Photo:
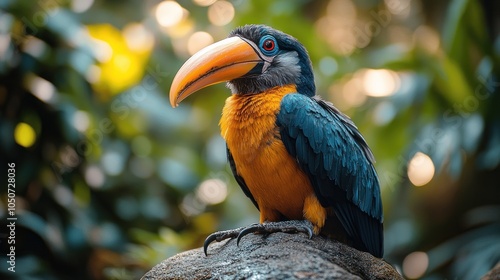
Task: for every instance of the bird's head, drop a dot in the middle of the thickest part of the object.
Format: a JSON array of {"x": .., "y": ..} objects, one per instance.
[{"x": 253, "y": 59}]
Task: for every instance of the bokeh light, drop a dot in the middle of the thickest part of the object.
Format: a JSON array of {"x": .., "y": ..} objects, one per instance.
[
  {"x": 180, "y": 31},
  {"x": 212, "y": 191},
  {"x": 81, "y": 121},
  {"x": 34, "y": 46},
  {"x": 94, "y": 176},
  {"x": 80, "y": 6},
  {"x": 380, "y": 82},
  {"x": 328, "y": 66},
  {"x": 102, "y": 50},
  {"x": 204, "y": 3},
  {"x": 24, "y": 135},
  {"x": 41, "y": 88},
  {"x": 169, "y": 13},
  {"x": 63, "y": 195},
  {"x": 138, "y": 38},
  {"x": 399, "y": 7},
  {"x": 112, "y": 162},
  {"x": 420, "y": 169},
  {"x": 427, "y": 38},
  {"x": 338, "y": 25},
  {"x": 415, "y": 264},
  {"x": 352, "y": 93},
  {"x": 93, "y": 74},
  {"x": 198, "y": 41},
  {"x": 69, "y": 157},
  {"x": 221, "y": 13},
  {"x": 192, "y": 206}
]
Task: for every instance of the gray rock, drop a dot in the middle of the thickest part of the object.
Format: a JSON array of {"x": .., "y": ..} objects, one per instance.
[
  {"x": 277, "y": 256},
  {"x": 493, "y": 274}
]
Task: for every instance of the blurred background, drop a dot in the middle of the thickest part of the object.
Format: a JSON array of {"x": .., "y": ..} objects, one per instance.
[{"x": 110, "y": 180}]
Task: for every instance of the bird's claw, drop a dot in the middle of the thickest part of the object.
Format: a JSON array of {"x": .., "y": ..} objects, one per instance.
[
  {"x": 251, "y": 228},
  {"x": 295, "y": 226},
  {"x": 223, "y": 235}
]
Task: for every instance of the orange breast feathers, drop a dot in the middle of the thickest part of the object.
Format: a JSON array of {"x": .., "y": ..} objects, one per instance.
[{"x": 280, "y": 188}]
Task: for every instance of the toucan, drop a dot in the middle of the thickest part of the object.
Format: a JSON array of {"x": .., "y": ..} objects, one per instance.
[{"x": 302, "y": 162}]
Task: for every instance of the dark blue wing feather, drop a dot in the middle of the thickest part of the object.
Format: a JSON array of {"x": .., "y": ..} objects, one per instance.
[{"x": 330, "y": 149}]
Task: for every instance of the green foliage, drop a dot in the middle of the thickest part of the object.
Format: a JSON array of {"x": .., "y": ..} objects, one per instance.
[{"x": 110, "y": 179}]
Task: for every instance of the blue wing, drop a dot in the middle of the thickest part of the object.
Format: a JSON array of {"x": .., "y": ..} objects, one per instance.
[{"x": 330, "y": 149}]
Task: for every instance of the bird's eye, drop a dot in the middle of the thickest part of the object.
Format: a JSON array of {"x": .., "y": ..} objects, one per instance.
[{"x": 268, "y": 45}]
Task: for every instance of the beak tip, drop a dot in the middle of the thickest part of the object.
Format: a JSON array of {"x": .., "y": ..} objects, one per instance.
[
  {"x": 174, "y": 104},
  {"x": 173, "y": 99}
]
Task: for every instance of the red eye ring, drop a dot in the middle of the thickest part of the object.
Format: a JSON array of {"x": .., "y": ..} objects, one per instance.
[{"x": 268, "y": 45}]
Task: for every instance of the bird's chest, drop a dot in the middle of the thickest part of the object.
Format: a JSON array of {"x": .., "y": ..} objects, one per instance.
[{"x": 248, "y": 125}]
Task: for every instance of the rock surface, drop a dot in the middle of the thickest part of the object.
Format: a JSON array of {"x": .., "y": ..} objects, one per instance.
[
  {"x": 494, "y": 274},
  {"x": 277, "y": 256}
]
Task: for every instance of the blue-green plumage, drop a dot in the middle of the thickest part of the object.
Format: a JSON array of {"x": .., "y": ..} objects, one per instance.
[{"x": 330, "y": 149}]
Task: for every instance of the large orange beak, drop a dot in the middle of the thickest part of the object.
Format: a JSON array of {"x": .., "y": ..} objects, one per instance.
[{"x": 223, "y": 61}]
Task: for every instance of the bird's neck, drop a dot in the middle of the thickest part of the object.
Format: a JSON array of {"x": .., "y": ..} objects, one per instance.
[{"x": 248, "y": 120}]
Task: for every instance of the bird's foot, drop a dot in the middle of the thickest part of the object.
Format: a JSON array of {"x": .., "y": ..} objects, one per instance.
[
  {"x": 294, "y": 226},
  {"x": 223, "y": 235}
]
